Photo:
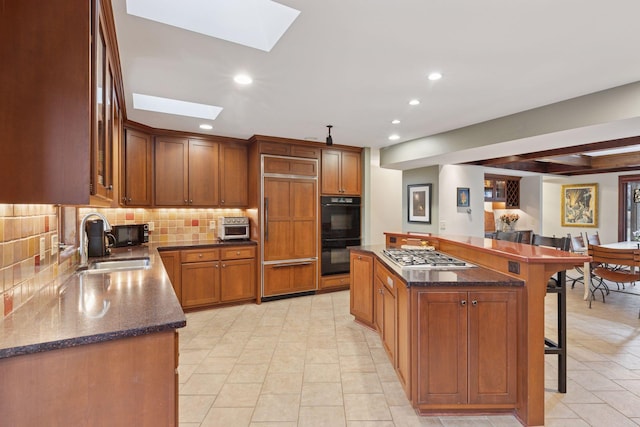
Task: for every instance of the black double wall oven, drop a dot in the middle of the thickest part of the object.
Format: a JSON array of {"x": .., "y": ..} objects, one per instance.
[{"x": 340, "y": 217}]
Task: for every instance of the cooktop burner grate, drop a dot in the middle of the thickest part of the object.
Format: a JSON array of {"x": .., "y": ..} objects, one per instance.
[{"x": 427, "y": 259}]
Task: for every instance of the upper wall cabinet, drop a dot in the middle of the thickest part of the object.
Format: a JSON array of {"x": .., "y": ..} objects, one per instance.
[
  {"x": 199, "y": 173},
  {"x": 45, "y": 113},
  {"x": 106, "y": 115},
  {"x": 341, "y": 172},
  {"x": 498, "y": 188},
  {"x": 136, "y": 169},
  {"x": 233, "y": 175}
]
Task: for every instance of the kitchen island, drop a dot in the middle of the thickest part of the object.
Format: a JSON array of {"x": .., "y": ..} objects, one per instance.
[{"x": 462, "y": 340}]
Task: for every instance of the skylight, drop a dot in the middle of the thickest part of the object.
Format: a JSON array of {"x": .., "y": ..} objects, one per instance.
[
  {"x": 174, "y": 106},
  {"x": 253, "y": 23}
]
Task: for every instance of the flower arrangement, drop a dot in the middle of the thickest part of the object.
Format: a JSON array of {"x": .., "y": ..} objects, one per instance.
[{"x": 509, "y": 218}]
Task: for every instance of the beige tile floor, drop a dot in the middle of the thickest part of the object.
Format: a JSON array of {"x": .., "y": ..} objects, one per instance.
[{"x": 305, "y": 362}]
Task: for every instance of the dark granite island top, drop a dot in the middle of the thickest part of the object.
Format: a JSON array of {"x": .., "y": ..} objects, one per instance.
[
  {"x": 468, "y": 276},
  {"x": 79, "y": 308}
]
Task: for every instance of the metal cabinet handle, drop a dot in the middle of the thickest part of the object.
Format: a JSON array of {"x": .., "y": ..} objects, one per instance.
[
  {"x": 291, "y": 264},
  {"x": 129, "y": 198},
  {"x": 222, "y": 201},
  {"x": 191, "y": 202},
  {"x": 474, "y": 303},
  {"x": 266, "y": 219},
  {"x": 185, "y": 201},
  {"x": 200, "y": 255},
  {"x": 463, "y": 302}
]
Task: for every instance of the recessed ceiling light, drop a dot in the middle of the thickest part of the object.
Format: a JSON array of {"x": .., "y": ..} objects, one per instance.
[
  {"x": 243, "y": 79},
  {"x": 394, "y": 137},
  {"x": 414, "y": 102},
  {"x": 435, "y": 76},
  {"x": 258, "y": 23},
  {"x": 206, "y": 127},
  {"x": 395, "y": 122},
  {"x": 174, "y": 106}
]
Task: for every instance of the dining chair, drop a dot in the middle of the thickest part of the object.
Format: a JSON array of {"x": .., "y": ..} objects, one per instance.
[
  {"x": 615, "y": 265},
  {"x": 577, "y": 245},
  {"x": 594, "y": 239},
  {"x": 557, "y": 285},
  {"x": 509, "y": 236}
]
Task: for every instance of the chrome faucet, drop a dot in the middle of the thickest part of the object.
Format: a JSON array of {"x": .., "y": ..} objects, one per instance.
[{"x": 84, "y": 244}]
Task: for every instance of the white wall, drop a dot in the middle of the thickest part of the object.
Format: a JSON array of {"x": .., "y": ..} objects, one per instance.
[
  {"x": 452, "y": 219},
  {"x": 607, "y": 205},
  {"x": 428, "y": 175},
  {"x": 382, "y": 199}
]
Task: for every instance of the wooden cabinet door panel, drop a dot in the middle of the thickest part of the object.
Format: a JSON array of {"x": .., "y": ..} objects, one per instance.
[
  {"x": 203, "y": 173},
  {"x": 441, "y": 376},
  {"x": 403, "y": 347},
  {"x": 277, "y": 241},
  {"x": 330, "y": 172},
  {"x": 277, "y": 280},
  {"x": 237, "y": 280},
  {"x": 200, "y": 283},
  {"x": 234, "y": 175},
  {"x": 389, "y": 323},
  {"x": 361, "y": 293},
  {"x": 492, "y": 347},
  {"x": 172, "y": 265},
  {"x": 171, "y": 167},
  {"x": 350, "y": 173},
  {"x": 137, "y": 169},
  {"x": 304, "y": 276},
  {"x": 378, "y": 304}
]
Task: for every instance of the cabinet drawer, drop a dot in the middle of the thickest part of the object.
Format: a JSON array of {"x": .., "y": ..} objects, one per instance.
[
  {"x": 198, "y": 255},
  {"x": 332, "y": 282},
  {"x": 385, "y": 276},
  {"x": 238, "y": 252}
]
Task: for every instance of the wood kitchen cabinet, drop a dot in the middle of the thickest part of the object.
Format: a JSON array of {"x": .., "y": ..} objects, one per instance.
[
  {"x": 498, "y": 188},
  {"x": 238, "y": 274},
  {"x": 200, "y": 277},
  {"x": 289, "y": 278},
  {"x": 341, "y": 173},
  {"x": 50, "y": 99},
  {"x": 186, "y": 172},
  {"x": 361, "y": 292},
  {"x": 385, "y": 285},
  {"x": 172, "y": 265},
  {"x": 212, "y": 276},
  {"x": 137, "y": 169},
  {"x": 467, "y": 347},
  {"x": 234, "y": 176},
  {"x": 200, "y": 173}
]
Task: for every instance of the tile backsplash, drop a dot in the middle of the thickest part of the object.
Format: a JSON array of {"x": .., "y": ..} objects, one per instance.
[
  {"x": 26, "y": 268},
  {"x": 169, "y": 225},
  {"x": 27, "y": 263}
]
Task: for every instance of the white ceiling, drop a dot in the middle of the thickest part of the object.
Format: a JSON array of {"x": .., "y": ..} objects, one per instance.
[{"x": 355, "y": 64}]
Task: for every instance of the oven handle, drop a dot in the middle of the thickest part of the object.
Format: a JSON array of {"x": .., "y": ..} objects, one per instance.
[
  {"x": 340, "y": 204},
  {"x": 266, "y": 219}
]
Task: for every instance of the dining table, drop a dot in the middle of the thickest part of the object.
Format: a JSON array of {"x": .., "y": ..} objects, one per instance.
[{"x": 629, "y": 244}]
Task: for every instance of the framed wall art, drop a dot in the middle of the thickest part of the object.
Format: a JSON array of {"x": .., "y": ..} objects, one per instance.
[
  {"x": 579, "y": 205},
  {"x": 419, "y": 198},
  {"x": 463, "y": 197}
]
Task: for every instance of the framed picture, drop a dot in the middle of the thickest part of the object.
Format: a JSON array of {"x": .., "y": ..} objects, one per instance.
[
  {"x": 579, "y": 205},
  {"x": 463, "y": 197},
  {"x": 419, "y": 198}
]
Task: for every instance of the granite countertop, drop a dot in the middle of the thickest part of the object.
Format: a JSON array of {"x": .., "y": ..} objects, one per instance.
[
  {"x": 79, "y": 308},
  {"x": 415, "y": 276}
]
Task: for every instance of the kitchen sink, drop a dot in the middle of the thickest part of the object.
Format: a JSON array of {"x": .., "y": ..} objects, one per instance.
[{"x": 114, "y": 265}]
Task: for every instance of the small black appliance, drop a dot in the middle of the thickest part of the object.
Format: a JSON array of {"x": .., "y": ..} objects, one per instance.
[{"x": 96, "y": 241}]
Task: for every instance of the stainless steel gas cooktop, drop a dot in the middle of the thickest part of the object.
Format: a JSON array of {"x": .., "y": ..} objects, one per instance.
[{"x": 423, "y": 258}]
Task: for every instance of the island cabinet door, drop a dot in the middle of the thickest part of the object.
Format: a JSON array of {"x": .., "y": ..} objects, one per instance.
[
  {"x": 440, "y": 355},
  {"x": 492, "y": 347},
  {"x": 361, "y": 292}
]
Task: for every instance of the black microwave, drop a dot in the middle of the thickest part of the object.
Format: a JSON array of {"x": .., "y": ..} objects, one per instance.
[{"x": 130, "y": 235}]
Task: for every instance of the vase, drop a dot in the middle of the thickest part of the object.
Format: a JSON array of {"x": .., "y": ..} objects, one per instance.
[{"x": 508, "y": 227}]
